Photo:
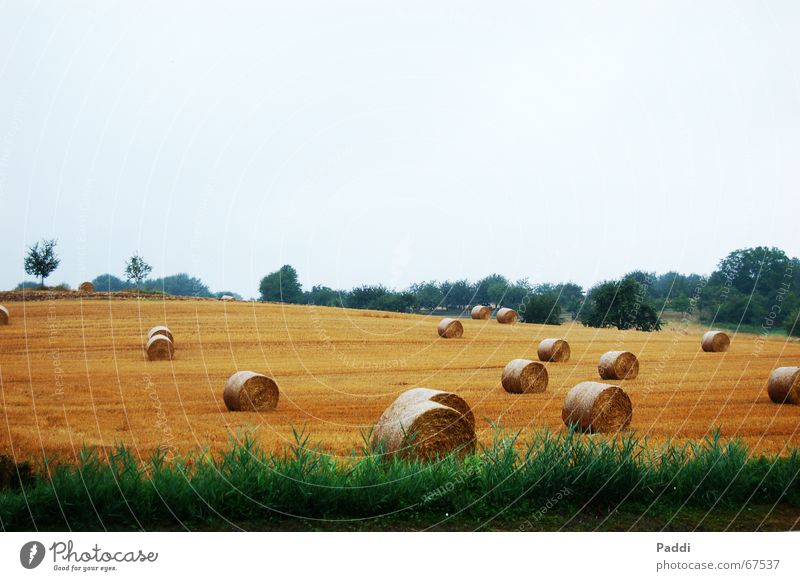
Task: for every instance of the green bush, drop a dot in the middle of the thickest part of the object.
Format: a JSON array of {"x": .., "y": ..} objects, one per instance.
[
  {"x": 792, "y": 324},
  {"x": 541, "y": 308},
  {"x": 246, "y": 486},
  {"x": 621, "y": 304}
]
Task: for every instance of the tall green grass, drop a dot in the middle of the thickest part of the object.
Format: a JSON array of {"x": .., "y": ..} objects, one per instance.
[{"x": 510, "y": 477}]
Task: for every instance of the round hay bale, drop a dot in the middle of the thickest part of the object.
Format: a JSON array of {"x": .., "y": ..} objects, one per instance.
[
  {"x": 555, "y": 350},
  {"x": 161, "y": 330},
  {"x": 524, "y": 376},
  {"x": 597, "y": 407},
  {"x": 86, "y": 287},
  {"x": 481, "y": 312},
  {"x": 506, "y": 316},
  {"x": 716, "y": 342},
  {"x": 160, "y": 348},
  {"x": 5, "y": 318},
  {"x": 784, "y": 385},
  {"x": 247, "y": 391},
  {"x": 423, "y": 429},
  {"x": 450, "y": 329},
  {"x": 451, "y": 400},
  {"x": 618, "y": 365}
]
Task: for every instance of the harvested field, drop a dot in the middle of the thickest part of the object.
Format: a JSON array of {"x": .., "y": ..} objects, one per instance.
[{"x": 74, "y": 373}]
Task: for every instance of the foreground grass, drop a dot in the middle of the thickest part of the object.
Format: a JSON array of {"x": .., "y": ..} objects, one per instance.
[{"x": 553, "y": 481}]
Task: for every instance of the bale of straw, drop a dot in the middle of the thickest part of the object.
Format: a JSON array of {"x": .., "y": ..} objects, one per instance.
[
  {"x": 451, "y": 400},
  {"x": 86, "y": 287},
  {"x": 160, "y": 348},
  {"x": 423, "y": 429},
  {"x": 450, "y": 329},
  {"x": 5, "y": 318},
  {"x": 524, "y": 376},
  {"x": 160, "y": 330},
  {"x": 481, "y": 312},
  {"x": 247, "y": 391},
  {"x": 555, "y": 350},
  {"x": 784, "y": 385},
  {"x": 618, "y": 365},
  {"x": 597, "y": 407},
  {"x": 716, "y": 341},
  {"x": 506, "y": 316}
]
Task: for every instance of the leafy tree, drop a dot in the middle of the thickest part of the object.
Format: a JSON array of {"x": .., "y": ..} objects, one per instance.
[
  {"x": 541, "y": 308},
  {"x": 136, "y": 269},
  {"x": 41, "y": 259},
  {"x": 380, "y": 298},
  {"x": 792, "y": 323},
  {"x": 27, "y": 284},
  {"x": 281, "y": 286},
  {"x": 570, "y": 295},
  {"x": 622, "y": 304},
  {"x": 516, "y": 293},
  {"x": 110, "y": 283},
  {"x": 427, "y": 295},
  {"x": 181, "y": 285},
  {"x": 747, "y": 286},
  {"x": 324, "y": 297},
  {"x": 491, "y": 290},
  {"x": 457, "y": 295}
]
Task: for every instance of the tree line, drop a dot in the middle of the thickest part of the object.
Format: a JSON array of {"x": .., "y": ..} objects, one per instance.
[{"x": 751, "y": 287}]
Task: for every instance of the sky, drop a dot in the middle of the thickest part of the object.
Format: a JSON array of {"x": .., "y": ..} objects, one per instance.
[{"x": 375, "y": 142}]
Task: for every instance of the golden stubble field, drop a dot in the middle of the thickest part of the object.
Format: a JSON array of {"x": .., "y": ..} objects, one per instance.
[{"x": 73, "y": 373}]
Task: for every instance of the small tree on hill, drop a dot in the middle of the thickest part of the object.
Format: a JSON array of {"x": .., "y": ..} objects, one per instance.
[
  {"x": 41, "y": 259},
  {"x": 622, "y": 305},
  {"x": 136, "y": 269},
  {"x": 541, "y": 308},
  {"x": 281, "y": 286}
]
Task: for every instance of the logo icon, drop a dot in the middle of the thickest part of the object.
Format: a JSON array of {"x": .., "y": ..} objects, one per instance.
[{"x": 31, "y": 554}]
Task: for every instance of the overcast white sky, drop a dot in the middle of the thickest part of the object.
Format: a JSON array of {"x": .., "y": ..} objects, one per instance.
[{"x": 397, "y": 142}]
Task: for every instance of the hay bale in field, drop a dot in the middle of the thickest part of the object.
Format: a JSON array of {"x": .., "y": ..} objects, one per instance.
[
  {"x": 450, "y": 329},
  {"x": 555, "y": 350},
  {"x": 784, "y": 385},
  {"x": 597, "y": 407},
  {"x": 5, "y": 318},
  {"x": 161, "y": 330},
  {"x": 618, "y": 365},
  {"x": 86, "y": 287},
  {"x": 226, "y": 298},
  {"x": 160, "y": 348},
  {"x": 506, "y": 316},
  {"x": 451, "y": 400},
  {"x": 481, "y": 312},
  {"x": 248, "y": 391},
  {"x": 423, "y": 429},
  {"x": 524, "y": 376},
  {"x": 716, "y": 341}
]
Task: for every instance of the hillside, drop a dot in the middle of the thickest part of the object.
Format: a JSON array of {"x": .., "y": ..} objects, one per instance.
[{"x": 74, "y": 374}]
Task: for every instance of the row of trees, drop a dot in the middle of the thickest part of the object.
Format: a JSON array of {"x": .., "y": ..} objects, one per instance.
[
  {"x": 753, "y": 286},
  {"x": 41, "y": 261}
]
